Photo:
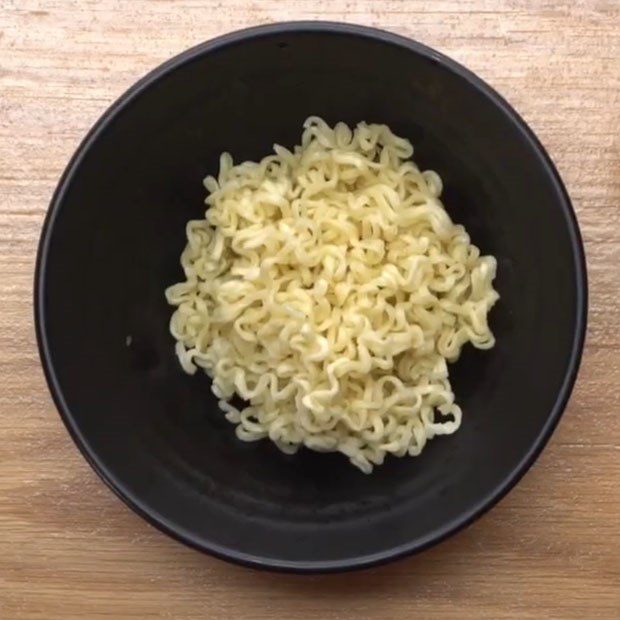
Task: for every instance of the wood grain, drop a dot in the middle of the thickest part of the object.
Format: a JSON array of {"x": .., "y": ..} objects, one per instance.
[{"x": 69, "y": 549}]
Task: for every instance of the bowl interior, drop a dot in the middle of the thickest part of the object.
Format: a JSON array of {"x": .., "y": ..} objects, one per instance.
[{"x": 113, "y": 243}]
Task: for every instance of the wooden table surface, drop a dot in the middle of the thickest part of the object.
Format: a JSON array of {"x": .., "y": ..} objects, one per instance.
[{"x": 69, "y": 549}]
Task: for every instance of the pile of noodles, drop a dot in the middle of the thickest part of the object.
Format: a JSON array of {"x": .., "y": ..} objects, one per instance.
[{"x": 328, "y": 288}]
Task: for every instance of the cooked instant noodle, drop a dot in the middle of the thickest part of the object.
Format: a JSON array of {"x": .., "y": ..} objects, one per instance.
[{"x": 327, "y": 287}]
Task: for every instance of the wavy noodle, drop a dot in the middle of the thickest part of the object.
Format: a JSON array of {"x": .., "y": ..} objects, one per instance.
[{"x": 327, "y": 287}]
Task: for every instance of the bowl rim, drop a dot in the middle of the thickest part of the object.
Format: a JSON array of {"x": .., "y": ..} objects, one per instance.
[{"x": 353, "y": 562}]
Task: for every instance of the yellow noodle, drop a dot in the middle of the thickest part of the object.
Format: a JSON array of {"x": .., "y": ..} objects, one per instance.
[{"x": 327, "y": 287}]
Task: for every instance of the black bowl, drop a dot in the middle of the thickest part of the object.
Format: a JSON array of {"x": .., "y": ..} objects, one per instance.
[{"x": 111, "y": 244}]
